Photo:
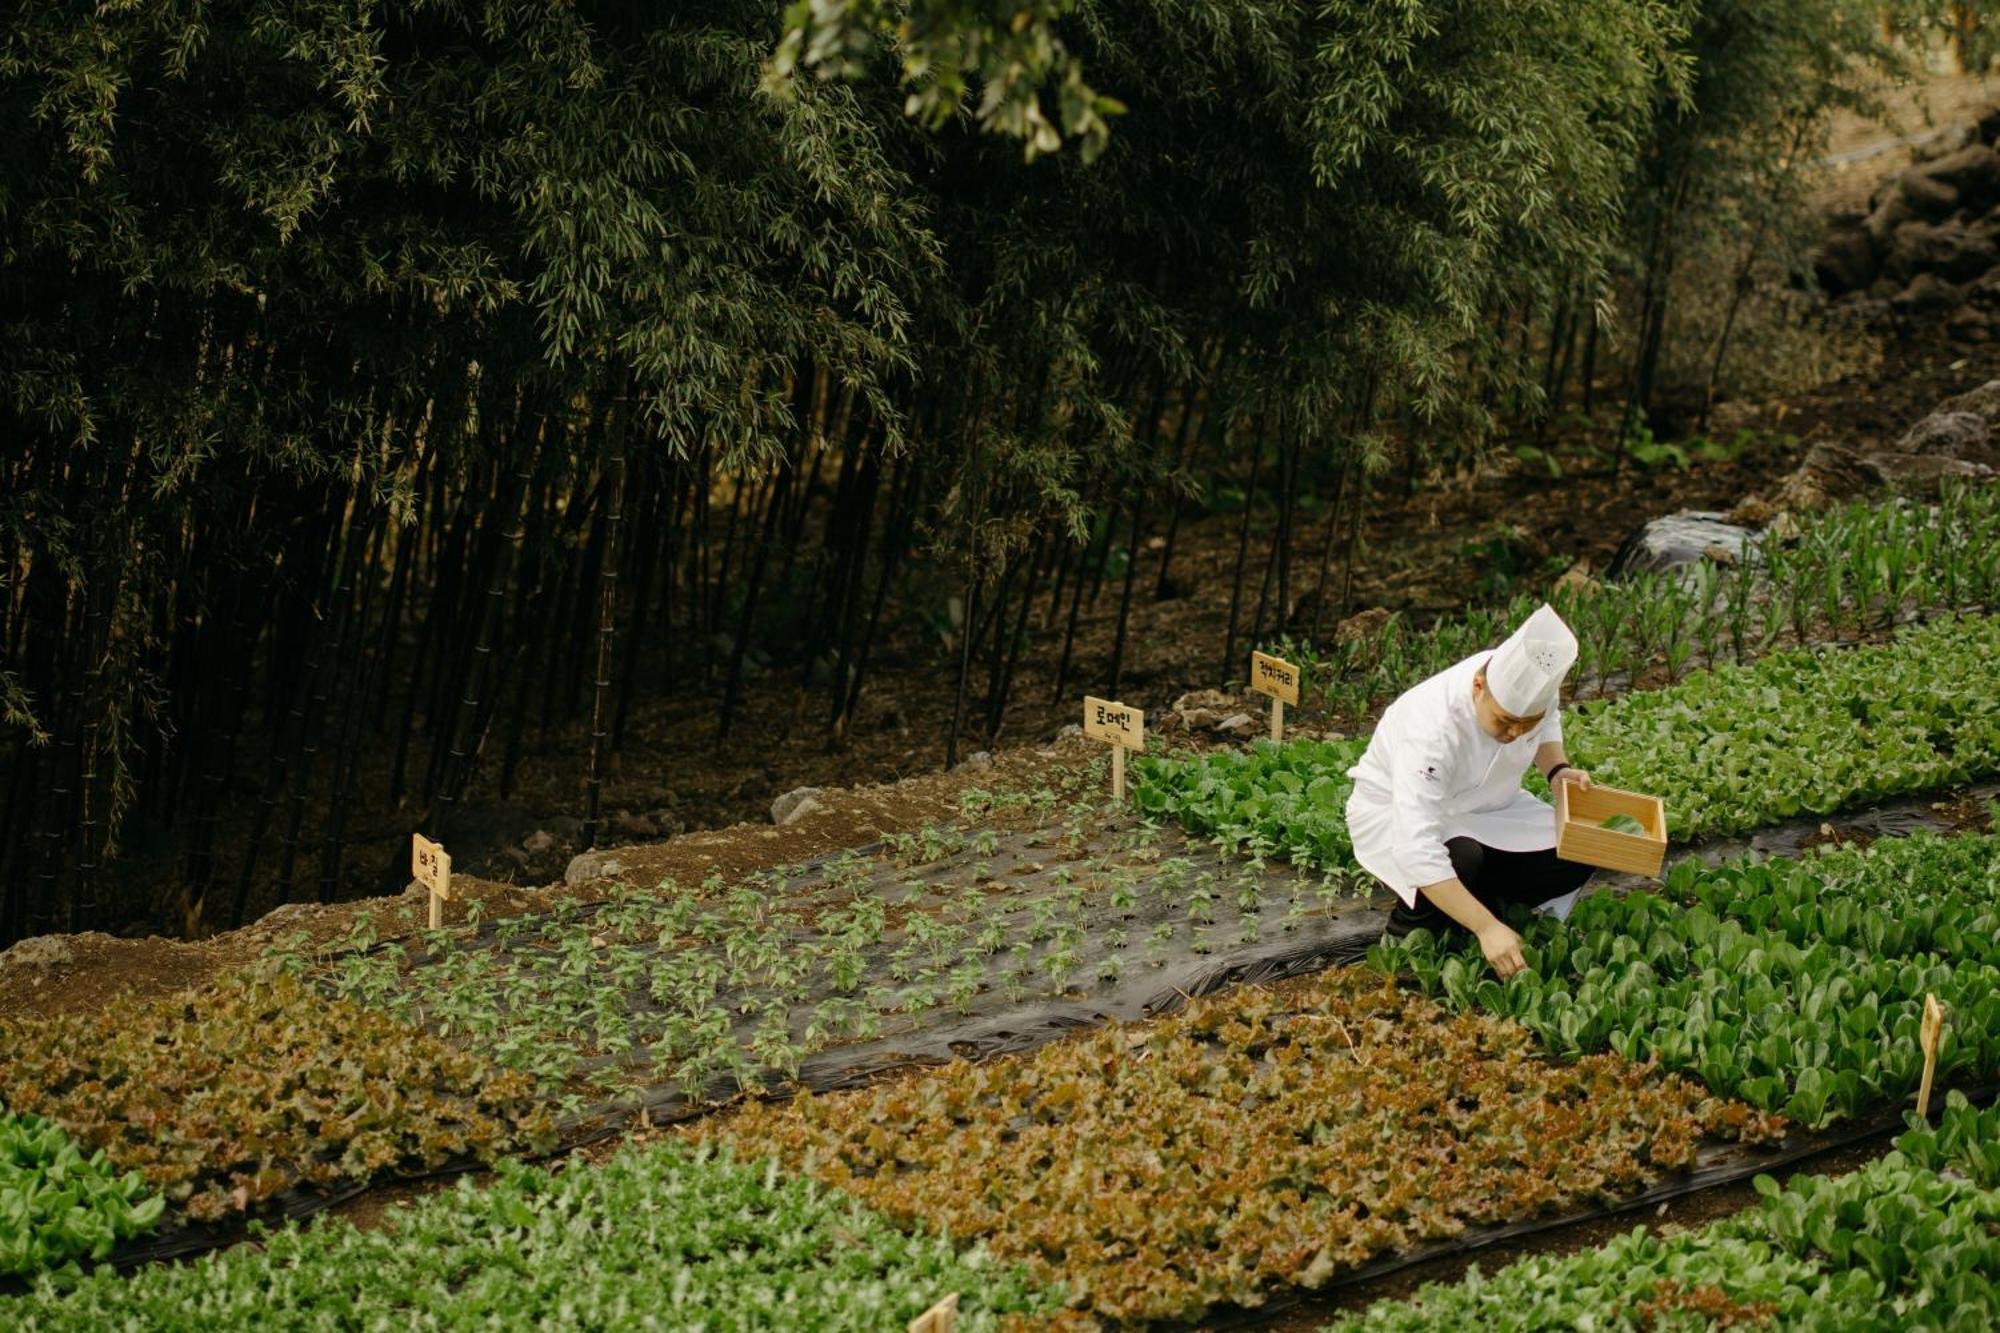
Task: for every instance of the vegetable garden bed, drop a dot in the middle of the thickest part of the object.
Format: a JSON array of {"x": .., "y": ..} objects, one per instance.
[
  {"x": 947, "y": 943},
  {"x": 1258, "y": 1140},
  {"x": 1853, "y": 572},
  {"x": 1735, "y": 749},
  {"x": 1796, "y": 985},
  {"x": 660, "y": 1237}
]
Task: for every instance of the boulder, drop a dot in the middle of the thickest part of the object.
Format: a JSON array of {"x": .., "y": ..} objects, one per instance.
[
  {"x": 795, "y": 805},
  {"x": 1982, "y": 402},
  {"x": 1361, "y": 625},
  {"x": 1888, "y": 215},
  {"x": 1576, "y": 576},
  {"x": 1928, "y": 197},
  {"x": 1846, "y": 261},
  {"x": 1968, "y": 324},
  {"x": 597, "y": 864},
  {"x": 978, "y": 759},
  {"x": 1927, "y": 294},
  {"x": 1675, "y": 541},
  {"x": 1198, "y": 710},
  {"x": 1829, "y": 474},
  {"x": 1953, "y": 433},
  {"x": 1971, "y": 174},
  {"x": 1239, "y": 724},
  {"x": 39, "y": 951},
  {"x": 1919, "y": 475}
]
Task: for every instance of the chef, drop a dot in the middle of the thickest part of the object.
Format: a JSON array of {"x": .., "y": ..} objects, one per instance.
[{"x": 1438, "y": 813}]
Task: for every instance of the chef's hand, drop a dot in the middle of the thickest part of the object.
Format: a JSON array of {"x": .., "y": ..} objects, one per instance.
[
  {"x": 1576, "y": 776},
  {"x": 1502, "y": 948}
]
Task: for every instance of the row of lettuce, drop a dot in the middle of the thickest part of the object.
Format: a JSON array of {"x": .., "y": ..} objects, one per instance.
[
  {"x": 1851, "y": 573},
  {"x": 1269, "y": 1139},
  {"x": 1799, "y": 732}
]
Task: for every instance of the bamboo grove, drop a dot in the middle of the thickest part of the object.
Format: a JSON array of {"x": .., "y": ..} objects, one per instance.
[{"x": 386, "y": 383}]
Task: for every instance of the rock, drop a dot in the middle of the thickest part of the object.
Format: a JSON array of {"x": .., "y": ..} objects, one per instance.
[
  {"x": 1983, "y": 402},
  {"x": 1971, "y": 174},
  {"x": 1890, "y": 214},
  {"x": 1917, "y": 247},
  {"x": 1968, "y": 325},
  {"x": 1846, "y": 261},
  {"x": 1198, "y": 710},
  {"x": 1072, "y": 729},
  {"x": 285, "y": 912},
  {"x": 1576, "y": 576},
  {"x": 587, "y": 866},
  {"x": 785, "y": 809},
  {"x": 1784, "y": 527},
  {"x": 1720, "y": 555},
  {"x": 978, "y": 759},
  {"x": 1949, "y": 434},
  {"x": 634, "y": 827},
  {"x": 1237, "y": 724},
  {"x": 1361, "y": 625},
  {"x": 1927, "y": 294},
  {"x": 39, "y": 951},
  {"x": 541, "y": 840},
  {"x": 1920, "y": 474},
  {"x": 1928, "y": 197},
  {"x": 1675, "y": 541},
  {"x": 1829, "y": 474}
]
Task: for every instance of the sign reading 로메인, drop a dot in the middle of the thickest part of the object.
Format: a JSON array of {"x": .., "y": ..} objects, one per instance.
[
  {"x": 1120, "y": 726},
  {"x": 1279, "y": 679},
  {"x": 430, "y": 866}
]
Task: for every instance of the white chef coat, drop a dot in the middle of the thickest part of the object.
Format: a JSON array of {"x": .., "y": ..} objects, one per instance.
[{"x": 1431, "y": 773}]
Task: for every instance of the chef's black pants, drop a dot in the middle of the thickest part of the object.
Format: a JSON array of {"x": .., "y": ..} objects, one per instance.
[{"x": 1497, "y": 879}]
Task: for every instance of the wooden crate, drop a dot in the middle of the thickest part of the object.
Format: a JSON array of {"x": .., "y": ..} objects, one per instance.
[{"x": 1579, "y": 837}]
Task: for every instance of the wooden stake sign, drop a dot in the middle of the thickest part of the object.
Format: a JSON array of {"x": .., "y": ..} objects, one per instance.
[
  {"x": 940, "y": 1318},
  {"x": 430, "y": 866},
  {"x": 1927, "y": 1037},
  {"x": 1279, "y": 679},
  {"x": 1120, "y": 726}
]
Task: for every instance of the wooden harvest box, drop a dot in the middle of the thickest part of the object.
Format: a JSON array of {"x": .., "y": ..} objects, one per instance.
[{"x": 1579, "y": 837}]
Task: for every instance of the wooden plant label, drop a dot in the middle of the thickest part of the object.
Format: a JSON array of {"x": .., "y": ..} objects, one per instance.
[
  {"x": 940, "y": 1318},
  {"x": 1122, "y": 727},
  {"x": 1279, "y": 679},
  {"x": 430, "y": 866},
  {"x": 1928, "y": 1036}
]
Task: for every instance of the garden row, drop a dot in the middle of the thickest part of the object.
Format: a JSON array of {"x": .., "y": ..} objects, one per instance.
[
  {"x": 1736, "y": 748},
  {"x": 1851, "y": 572},
  {"x": 664, "y": 1237},
  {"x": 1796, "y": 985},
  {"x": 1911, "y": 1241}
]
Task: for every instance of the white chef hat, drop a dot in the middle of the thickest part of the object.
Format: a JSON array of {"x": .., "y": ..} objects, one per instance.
[{"x": 1525, "y": 673}]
